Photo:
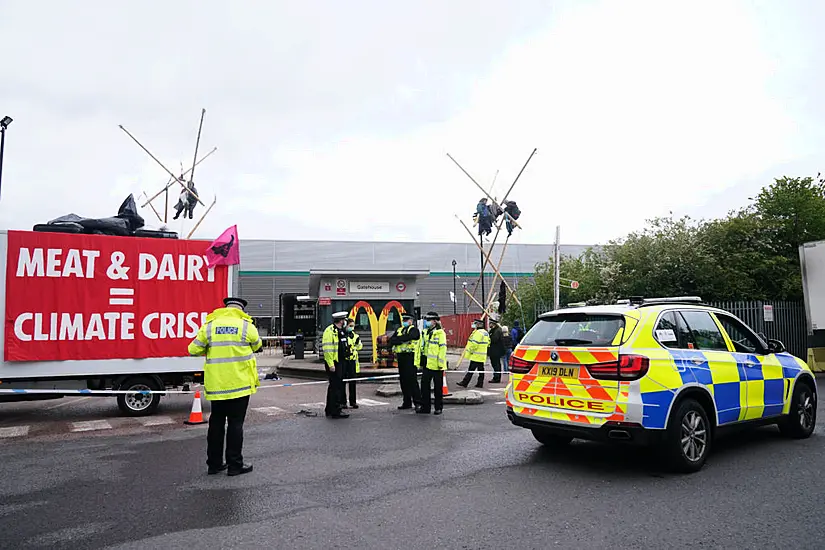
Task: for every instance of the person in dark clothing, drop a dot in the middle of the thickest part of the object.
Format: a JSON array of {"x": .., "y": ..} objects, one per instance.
[
  {"x": 516, "y": 333},
  {"x": 186, "y": 202},
  {"x": 483, "y": 217},
  {"x": 404, "y": 343},
  {"x": 496, "y": 350}
]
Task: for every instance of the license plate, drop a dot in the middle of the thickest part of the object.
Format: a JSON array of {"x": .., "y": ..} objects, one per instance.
[{"x": 559, "y": 371}]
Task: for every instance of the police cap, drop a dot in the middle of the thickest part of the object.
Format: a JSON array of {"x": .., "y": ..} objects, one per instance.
[
  {"x": 408, "y": 316},
  {"x": 233, "y": 301},
  {"x": 432, "y": 316},
  {"x": 340, "y": 315}
]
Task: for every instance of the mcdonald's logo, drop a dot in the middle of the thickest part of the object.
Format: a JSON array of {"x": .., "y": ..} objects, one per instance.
[{"x": 378, "y": 326}]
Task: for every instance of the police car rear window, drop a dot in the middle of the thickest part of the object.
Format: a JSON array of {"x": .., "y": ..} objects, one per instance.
[{"x": 577, "y": 329}]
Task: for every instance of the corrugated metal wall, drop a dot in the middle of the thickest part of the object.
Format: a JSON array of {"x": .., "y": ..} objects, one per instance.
[
  {"x": 270, "y": 268},
  {"x": 301, "y": 256},
  {"x": 789, "y": 325}
]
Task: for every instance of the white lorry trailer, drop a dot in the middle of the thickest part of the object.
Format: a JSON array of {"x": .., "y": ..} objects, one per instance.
[
  {"x": 812, "y": 260},
  {"x": 96, "y": 312}
]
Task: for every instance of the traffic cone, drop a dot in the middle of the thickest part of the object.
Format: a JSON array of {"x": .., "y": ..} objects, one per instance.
[
  {"x": 445, "y": 391},
  {"x": 196, "y": 416}
]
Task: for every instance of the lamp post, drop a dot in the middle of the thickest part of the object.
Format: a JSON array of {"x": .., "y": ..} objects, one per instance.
[
  {"x": 455, "y": 296},
  {"x": 4, "y": 123}
]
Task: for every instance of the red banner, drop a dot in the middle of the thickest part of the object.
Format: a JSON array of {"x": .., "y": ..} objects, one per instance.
[{"x": 101, "y": 297}]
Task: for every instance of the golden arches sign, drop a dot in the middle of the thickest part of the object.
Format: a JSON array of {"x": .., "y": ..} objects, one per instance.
[{"x": 378, "y": 325}]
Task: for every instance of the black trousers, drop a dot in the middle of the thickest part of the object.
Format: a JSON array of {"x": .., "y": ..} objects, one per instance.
[
  {"x": 408, "y": 378},
  {"x": 188, "y": 209},
  {"x": 474, "y": 365},
  {"x": 349, "y": 372},
  {"x": 334, "y": 390},
  {"x": 495, "y": 360},
  {"x": 432, "y": 379},
  {"x": 233, "y": 412}
]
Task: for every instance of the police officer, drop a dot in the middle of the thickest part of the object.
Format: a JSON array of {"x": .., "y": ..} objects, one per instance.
[
  {"x": 228, "y": 339},
  {"x": 352, "y": 365},
  {"x": 432, "y": 358},
  {"x": 404, "y": 344},
  {"x": 335, "y": 347},
  {"x": 476, "y": 353}
]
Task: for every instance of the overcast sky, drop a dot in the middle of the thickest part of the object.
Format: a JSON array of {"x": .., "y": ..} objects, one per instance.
[{"x": 333, "y": 119}]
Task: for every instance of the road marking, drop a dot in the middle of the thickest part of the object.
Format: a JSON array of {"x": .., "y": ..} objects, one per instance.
[
  {"x": 90, "y": 425},
  {"x": 371, "y": 402},
  {"x": 155, "y": 420},
  {"x": 270, "y": 411},
  {"x": 14, "y": 431},
  {"x": 488, "y": 392},
  {"x": 68, "y": 401},
  {"x": 319, "y": 404},
  {"x": 501, "y": 402}
]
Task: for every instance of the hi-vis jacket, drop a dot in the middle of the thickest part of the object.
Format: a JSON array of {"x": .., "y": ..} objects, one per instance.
[
  {"x": 410, "y": 345},
  {"x": 434, "y": 347},
  {"x": 477, "y": 345},
  {"x": 355, "y": 345},
  {"x": 329, "y": 345},
  {"x": 229, "y": 340}
]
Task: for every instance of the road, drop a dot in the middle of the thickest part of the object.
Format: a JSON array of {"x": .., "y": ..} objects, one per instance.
[{"x": 389, "y": 479}]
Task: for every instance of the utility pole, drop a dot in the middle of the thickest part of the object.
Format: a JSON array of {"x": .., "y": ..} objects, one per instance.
[
  {"x": 483, "y": 295},
  {"x": 556, "y": 278}
]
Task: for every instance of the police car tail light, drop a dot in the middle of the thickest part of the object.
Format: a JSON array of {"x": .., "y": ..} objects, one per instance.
[
  {"x": 628, "y": 367},
  {"x": 520, "y": 366}
]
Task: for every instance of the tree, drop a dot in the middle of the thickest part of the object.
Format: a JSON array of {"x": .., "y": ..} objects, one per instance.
[{"x": 751, "y": 254}]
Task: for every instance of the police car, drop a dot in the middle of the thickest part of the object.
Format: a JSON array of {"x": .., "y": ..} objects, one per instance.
[{"x": 667, "y": 372}]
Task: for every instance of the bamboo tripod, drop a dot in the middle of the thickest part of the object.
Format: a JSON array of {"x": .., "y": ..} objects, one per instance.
[
  {"x": 180, "y": 180},
  {"x": 489, "y": 302}
]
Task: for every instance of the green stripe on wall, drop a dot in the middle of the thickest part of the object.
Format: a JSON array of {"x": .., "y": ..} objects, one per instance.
[{"x": 433, "y": 274}]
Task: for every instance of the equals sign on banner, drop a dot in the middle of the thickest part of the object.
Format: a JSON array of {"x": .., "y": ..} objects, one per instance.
[{"x": 121, "y": 296}]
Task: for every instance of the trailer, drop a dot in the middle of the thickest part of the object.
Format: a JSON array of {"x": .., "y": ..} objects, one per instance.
[
  {"x": 812, "y": 262},
  {"x": 103, "y": 313}
]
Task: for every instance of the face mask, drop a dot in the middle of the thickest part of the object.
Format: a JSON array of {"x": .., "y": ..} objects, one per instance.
[
  {"x": 405, "y": 323},
  {"x": 426, "y": 324},
  {"x": 350, "y": 329}
]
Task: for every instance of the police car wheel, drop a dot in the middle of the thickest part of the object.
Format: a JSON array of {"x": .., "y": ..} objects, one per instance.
[
  {"x": 550, "y": 439},
  {"x": 801, "y": 419},
  {"x": 688, "y": 437},
  {"x": 138, "y": 404}
]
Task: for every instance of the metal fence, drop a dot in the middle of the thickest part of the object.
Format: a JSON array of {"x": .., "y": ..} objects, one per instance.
[{"x": 789, "y": 323}]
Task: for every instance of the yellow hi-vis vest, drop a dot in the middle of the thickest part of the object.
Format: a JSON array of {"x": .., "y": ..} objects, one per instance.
[
  {"x": 477, "y": 345},
  {"x": 405, "y": 347},
  {"x": 229, "y": 340},
  {"x": 355, "y": 345},
  {"x": 434, "y": 348},
  {"x": 329, "y": 345}
]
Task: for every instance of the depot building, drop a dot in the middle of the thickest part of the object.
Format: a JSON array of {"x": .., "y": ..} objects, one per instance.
[{"x": 294, "y": 286}]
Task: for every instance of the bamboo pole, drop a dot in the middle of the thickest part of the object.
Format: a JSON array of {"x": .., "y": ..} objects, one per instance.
[
  {"x": 484, "y": 190},
  {"x": 172, "y": 180},
  {"x": 202, "y": 217},
  {"x": 153, "y": 209},
  {"x": 160, "y": 164},
  {"x": 487, "y": 256},
  {"x": 197, "y": 144}
]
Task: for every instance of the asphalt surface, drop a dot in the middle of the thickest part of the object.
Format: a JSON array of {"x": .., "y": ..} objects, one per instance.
[{"x": 389, "y": 479}]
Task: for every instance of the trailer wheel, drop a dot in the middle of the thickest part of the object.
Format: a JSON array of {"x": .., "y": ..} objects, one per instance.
[{"x": 138, "y": 404}]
